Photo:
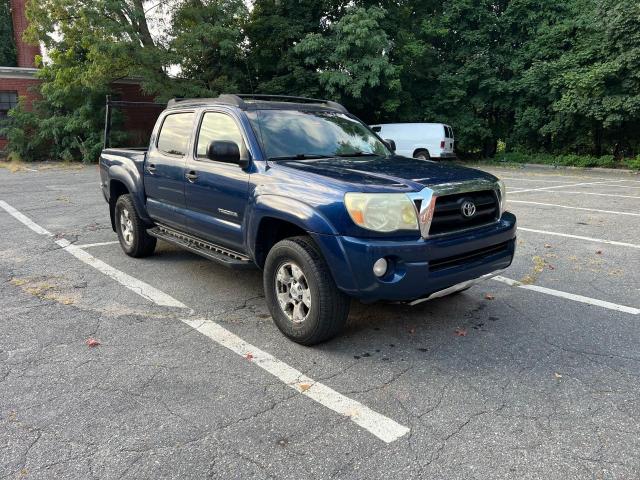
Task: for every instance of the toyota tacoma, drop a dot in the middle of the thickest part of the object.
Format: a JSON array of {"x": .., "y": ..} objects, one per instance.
[{"x": 309, "y": 194}]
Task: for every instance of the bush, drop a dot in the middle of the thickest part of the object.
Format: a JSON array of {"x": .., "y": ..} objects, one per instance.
[
  {"x": 633, "y": 163},
  {"x": 23, "y": 135},
  {"x": 567, "y": 160},
  {"x": 43, "y": 133}
]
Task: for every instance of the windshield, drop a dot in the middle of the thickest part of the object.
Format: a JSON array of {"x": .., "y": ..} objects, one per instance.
[{"x": 307, "y": 134}]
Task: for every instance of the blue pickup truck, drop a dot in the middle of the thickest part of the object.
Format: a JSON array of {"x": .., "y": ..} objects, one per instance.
[{"x": 308, "y": 193}]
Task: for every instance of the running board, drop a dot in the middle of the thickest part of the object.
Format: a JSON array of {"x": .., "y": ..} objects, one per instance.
[{"x": 221, "y": 255}]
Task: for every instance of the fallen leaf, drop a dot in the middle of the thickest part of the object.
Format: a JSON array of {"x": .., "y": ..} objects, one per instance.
[
  {"x": 550, "y": 267},
  {"x": 488, "y": 296},
  {"x": 304, "y": 387},
  {"x": 547, "y": 245},
  {"x": 92, "y": 342},
  {"x": 598, "y": 252},
  {"x": 249, "y": 356},
  {"x": 461, "y": 332},
  {"x": 557, "y": 375}
]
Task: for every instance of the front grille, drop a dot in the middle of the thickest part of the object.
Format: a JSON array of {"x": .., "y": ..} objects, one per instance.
[
  {"x": 468, "y": 257},
  {"x": 448, "y": 217}
]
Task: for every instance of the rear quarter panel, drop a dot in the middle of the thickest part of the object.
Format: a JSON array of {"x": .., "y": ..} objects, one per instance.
[{"x": 125, "y": 166}]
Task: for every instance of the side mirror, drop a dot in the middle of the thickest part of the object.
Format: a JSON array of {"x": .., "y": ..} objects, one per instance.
[
  {"x": 391, "y": 144},
  {"x": 225, "y": 151}
]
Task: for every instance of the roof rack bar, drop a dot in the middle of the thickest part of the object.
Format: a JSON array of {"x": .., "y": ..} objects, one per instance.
[
  {"x": 238, "y": 100},
  {"x": 260, "y": 96}
]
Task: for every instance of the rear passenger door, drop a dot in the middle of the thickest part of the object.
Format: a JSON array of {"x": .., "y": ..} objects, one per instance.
[
  {"x": 165, "y": 167},
  {"x": 217, "y": 192}
]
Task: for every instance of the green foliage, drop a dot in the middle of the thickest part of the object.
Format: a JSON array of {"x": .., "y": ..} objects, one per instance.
[
  {"x": 633, "y": 163},
  {"x": 7, "y": 44},
  {"x": 207, "y": 43},
  {"x": 350, "y": 60},
  {"x": 90, "y": 44},
  {"x": 558, "y": 79},
  {"x": 567, "y": 160}
]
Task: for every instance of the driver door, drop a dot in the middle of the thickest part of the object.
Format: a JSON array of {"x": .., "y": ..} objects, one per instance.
[{"x": 216, "y": 193}]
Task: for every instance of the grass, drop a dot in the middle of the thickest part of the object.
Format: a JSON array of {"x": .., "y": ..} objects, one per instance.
[
  {"x": 14, "y": 165},
  {"x": 569, "y": 160}
]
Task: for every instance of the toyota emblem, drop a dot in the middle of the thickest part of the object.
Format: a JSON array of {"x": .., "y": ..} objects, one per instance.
[{"x": 468, "y": 209}]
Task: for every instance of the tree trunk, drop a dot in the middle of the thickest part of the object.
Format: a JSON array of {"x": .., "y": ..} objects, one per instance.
[{"x": 141, "y": 25}]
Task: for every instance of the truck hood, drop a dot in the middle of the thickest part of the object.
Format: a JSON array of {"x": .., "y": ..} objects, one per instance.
[{"x": 386, "y": 173}]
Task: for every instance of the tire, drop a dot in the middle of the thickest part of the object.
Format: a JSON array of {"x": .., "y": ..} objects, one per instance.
[
  {"x": 321, "y": 310},
  {"x": 422, "y": 155},
  {"x": 132, "y": 233}
]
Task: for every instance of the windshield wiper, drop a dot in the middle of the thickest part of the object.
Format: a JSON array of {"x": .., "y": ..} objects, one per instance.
[
  {"x": 358, "y": 154},
  {"x": 300, "y": 156}
]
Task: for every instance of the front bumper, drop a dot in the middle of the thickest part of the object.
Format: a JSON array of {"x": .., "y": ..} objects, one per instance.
[{"x": 419, "y": 268}]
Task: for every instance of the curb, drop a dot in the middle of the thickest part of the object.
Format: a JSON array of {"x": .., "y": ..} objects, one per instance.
[
  {"x": 542, "y": 166},
  {"x": 589, "y": 169}
]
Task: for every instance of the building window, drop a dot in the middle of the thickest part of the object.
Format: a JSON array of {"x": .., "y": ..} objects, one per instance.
[{"x": 8, "y": 100}]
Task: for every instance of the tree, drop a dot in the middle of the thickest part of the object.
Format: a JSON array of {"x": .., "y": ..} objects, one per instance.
[
  {"x": 7, "y": 43},
  {"x": 534, "y": 75},
  {"x": 600, "y": 82},
  {"x": 207, "y": 43},
  {"x": 273, "y": 30},
  {"x": 351, "y": 62},
  {"x": 91, "y": 44}
]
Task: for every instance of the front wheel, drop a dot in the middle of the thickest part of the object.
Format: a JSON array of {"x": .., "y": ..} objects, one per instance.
[
  {"x": 301, "y": 295},
  {"x": 132, "y": 233}
]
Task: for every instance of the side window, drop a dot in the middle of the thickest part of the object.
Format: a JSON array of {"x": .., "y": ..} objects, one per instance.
[
  {"x": 217, "y": 126},
  {"x": 8, "y": 100},
  {"x": 449, "y": 132},
  {"x": 376, "y": 129},
  {"x": 174, "y": 133}
]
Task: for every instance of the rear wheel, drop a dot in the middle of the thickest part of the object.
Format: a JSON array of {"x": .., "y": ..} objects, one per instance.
[
  {"x": 132, "y": 233},
  {"x": 422, "y": 155},
  {"x": 301, "y": 295}
]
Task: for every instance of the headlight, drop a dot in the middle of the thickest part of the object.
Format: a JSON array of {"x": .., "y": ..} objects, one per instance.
[
  {"x": 382, "y": 212},
  {"x": 503, "y": 197}
]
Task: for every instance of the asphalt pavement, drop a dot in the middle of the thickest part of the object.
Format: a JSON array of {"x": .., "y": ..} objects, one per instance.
[{"x": 171, "y": 367}]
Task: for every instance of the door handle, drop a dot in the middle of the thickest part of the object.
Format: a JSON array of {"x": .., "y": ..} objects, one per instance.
[
  {"x": 151, "y": 168},
  {"x": 192, "y": 176}
]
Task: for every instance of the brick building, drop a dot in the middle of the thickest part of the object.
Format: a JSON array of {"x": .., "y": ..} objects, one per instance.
[{"x": 20, "y": 81}]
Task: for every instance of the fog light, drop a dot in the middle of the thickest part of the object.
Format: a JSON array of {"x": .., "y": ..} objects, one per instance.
[{"x": 380, "y": 267}]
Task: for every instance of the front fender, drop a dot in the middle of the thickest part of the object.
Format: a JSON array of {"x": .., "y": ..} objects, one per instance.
[
  {"x": 289, "y": 210},
  {"x": 310, "y": 220}
]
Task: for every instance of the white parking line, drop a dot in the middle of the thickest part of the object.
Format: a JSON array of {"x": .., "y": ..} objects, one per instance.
[
  {"x": 24, "y": 219},
  {"x": 382, "y": 427},
  {"x": 99, "y": 244},
  {"x": 559, "y": 186},
  {"x": 138, "y": 286},
  {"x": 558, "y": 175},
  {"x": 540, "y": 180},
  {"x": 533, "y": 180},
  {"x": 569, "y": 296},
  {"x": 594, "y": 193},
  {"x": 573, "y": 208},
  {"x": 619, "y": 185},
  {"x": 579, "y": 237}
]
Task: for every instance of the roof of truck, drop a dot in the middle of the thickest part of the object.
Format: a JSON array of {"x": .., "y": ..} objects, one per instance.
[{"x": 259, "y": 102}]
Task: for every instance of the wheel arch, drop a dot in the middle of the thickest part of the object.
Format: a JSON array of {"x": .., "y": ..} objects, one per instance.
[
  {"x": 121, "y": 183},
  {"x": 420, "y": 149}
]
